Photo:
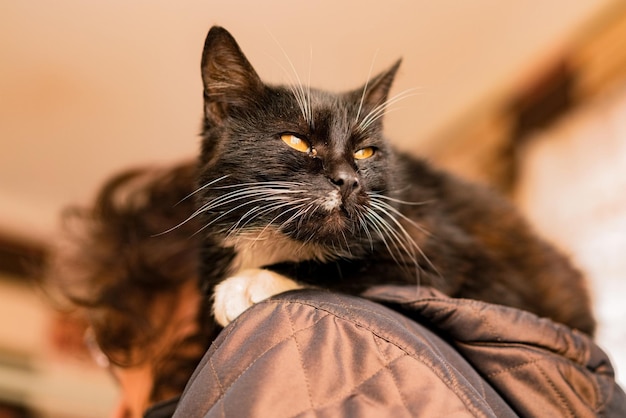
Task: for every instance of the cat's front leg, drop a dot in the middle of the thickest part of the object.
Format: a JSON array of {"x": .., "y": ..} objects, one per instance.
[{"x": 239, "y": 292}]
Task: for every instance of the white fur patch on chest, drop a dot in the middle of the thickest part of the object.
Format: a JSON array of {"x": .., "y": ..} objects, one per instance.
[
  {"x": 249, "y": 283},
  {"x": 270, "y": 246}
]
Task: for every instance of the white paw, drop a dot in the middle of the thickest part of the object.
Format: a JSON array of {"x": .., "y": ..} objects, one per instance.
[{"x": 237, "y": 293}]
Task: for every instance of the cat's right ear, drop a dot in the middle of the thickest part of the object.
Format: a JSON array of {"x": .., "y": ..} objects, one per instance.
[
  {"x": 376, "y": 91},
  {"x": 229, "y": 79}
]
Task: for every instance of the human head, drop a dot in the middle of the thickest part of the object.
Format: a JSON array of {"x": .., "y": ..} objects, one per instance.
[{"x": 129, "y": 263}]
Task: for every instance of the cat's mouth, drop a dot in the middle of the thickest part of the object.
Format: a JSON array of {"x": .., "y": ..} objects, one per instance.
[
  {"x": 334, "y": 204},
  {"x": 335, "y": 219}
]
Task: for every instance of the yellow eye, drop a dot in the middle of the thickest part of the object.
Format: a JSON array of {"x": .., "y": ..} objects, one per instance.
[
  {"x": 296, "y": 143},
  {"x": 364, "y": 153}
]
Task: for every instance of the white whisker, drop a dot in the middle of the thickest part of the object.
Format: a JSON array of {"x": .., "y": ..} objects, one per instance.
[
  {"x": 271, "y": 222},
  {"x": 384, "y": 108},
  {"x": 309, "y": 108},
  {"x": 374, "y": 220},
  {"x": 363, "y": 223},
  {"x": 402, "y": 202},
  {"x": 396, "y": 212},
  {"x": 296, "y": 88},
  {"x": 369, "y": 76},
  {"x": 389, "y": 211},
  {"x": 399, "y": 236},
  {"x": 204, "y": 186}
]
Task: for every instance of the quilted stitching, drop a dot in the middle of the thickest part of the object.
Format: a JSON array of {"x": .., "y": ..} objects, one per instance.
[
  {"x": 340, "y": 397},
  {"x": 300, "y": 358},
  {"x": 353, "y": 316},
  {"x": 270, "y": 348},
  {"x": 401, "y": 367},
  {"x": 562, "y": 399},
  {"x": 459, "y": 389},
  {"x": 391, "y": 372}
]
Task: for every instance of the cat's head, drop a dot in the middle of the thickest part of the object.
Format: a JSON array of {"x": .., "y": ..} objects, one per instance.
[{"x": 302, "y": 162}]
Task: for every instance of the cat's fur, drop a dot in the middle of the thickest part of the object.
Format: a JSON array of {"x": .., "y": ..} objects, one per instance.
[{"x": 324, "y": 217}]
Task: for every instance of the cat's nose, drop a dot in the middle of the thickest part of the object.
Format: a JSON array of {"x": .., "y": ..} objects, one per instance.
[{"x": 347, "y": 181}]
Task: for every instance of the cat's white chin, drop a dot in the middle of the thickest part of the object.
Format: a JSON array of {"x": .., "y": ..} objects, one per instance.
[
  {"x": 332, "y": 201},
  {"x": 237, "y": 293}
]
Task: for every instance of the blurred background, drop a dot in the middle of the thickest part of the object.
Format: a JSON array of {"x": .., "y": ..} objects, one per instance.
[{"x": 527, "y": 96}]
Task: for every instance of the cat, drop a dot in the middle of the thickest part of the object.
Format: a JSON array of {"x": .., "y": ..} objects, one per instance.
[{"x": 303, "y": 186}]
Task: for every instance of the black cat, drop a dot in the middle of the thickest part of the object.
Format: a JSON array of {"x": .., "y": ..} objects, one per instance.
[{"x": 302, "y": 182}]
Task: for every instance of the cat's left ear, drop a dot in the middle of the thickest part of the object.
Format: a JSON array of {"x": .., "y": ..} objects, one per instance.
[
  {"x": 376, "y": 90},
  {"x": 229, "y": 79}
]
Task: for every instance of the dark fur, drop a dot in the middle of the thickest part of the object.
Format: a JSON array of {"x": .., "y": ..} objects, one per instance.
[{"x": 472, "y": 243}]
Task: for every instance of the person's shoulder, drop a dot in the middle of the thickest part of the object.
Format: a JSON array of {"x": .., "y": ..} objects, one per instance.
[
  {"x": 313, "y": 350},
  {"x": 540, "y": 367}
]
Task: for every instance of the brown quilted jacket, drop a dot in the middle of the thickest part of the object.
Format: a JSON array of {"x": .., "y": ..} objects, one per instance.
[{"x": 311, "y": 353}]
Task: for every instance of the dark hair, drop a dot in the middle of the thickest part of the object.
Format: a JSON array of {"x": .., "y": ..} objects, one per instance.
[{"x": 126, "y": 258}]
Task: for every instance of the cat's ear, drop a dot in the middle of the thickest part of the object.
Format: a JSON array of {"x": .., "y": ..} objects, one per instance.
[
  {"x": 375, "y": 92},
  {"x": 228, "y": 78}
]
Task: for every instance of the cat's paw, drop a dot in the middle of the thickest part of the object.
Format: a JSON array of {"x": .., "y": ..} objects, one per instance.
[{"x": 237, "y": 293}]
